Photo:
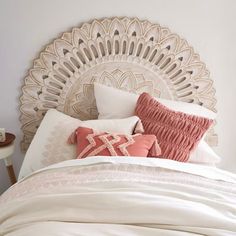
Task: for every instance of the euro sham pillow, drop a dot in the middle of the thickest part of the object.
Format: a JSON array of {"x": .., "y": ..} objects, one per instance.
[
  {"x": 177, "y": 133},
  {"x": 49, "y": 145},
  {"x": 113, "y": 103},
  {"x": 93, "y": 143}
]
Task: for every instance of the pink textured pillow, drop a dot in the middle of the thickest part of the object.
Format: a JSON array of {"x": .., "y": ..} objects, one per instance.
[
  {"x": 177, "y": 133},
  {"x": 93, "y": 143}
]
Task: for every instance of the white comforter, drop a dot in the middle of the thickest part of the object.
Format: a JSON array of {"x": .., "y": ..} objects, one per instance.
[{"x": 121, "y": 196}]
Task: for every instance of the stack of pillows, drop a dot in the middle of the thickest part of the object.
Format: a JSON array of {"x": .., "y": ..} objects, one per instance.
[{"x": 128, "y": 125}]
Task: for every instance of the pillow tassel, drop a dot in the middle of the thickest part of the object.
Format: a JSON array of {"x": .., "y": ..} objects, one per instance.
[{"x": 72, "y": 138}]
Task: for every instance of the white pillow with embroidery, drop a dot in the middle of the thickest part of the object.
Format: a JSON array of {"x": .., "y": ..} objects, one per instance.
[{"x": 49, "y": 145}]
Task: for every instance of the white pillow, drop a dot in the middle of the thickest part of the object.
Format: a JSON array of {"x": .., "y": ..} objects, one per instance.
[
  {"x": 49, "y": 145},
  {"x": 204, "y": 154},
  {"x": 114, "y": 103}
]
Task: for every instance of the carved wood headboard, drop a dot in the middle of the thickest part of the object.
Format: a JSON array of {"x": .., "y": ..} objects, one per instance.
[{"x": 127, "y": 53}]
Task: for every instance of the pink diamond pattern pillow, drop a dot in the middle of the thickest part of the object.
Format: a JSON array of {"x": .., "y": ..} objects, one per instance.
[
  {"x": 177, "y": 133},
  {"x": 95, "y": 143}
]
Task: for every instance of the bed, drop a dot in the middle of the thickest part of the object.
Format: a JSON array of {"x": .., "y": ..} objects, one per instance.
[{"x": 118, "y": 119}]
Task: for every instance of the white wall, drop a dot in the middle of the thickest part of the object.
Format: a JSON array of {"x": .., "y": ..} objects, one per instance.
[{"x": 209, "y": 25}]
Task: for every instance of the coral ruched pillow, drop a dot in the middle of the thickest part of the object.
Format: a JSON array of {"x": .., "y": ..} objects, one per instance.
[
  {"x": 177, "y": 133},
  {"x": 94, "y": 143}
]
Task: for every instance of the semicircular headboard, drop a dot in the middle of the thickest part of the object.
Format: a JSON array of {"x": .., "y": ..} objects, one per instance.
[{"x": 127, "y": 53}]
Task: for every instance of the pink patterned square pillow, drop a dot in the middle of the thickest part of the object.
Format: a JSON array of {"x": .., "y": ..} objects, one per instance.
[
  {"x": 95, "y": 143},
  {"x": 177, "y": 133}
]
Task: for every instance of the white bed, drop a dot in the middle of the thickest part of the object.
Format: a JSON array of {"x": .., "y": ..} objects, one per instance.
[{"x": 57, "y": 194}]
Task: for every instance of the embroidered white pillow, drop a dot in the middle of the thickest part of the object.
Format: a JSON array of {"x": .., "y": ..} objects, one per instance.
[{"x": 49, "y": 145}]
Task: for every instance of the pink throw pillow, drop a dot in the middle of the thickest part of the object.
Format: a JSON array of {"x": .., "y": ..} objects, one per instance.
[
  {"x": 93, "y": 143},
  {"x": 177, "y": 133}
]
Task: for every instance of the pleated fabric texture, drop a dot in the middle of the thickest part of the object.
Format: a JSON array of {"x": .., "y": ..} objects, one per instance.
[{"x": 177, "y": 133}]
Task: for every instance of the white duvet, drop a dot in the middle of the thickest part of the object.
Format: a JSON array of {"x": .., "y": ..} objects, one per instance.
[{"x": 121, "y": 196}]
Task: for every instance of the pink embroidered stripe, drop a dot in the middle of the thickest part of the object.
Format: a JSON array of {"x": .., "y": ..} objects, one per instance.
[{"x": 177, "y": 133}]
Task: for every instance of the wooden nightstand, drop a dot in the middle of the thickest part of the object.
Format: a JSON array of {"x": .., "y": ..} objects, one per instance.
[{"x": 6, "y": 151}]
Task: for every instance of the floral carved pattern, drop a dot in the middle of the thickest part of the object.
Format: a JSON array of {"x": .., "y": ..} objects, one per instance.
[
  {"x": 126, "y": 53},
  {"x": 84, "y": 103}
]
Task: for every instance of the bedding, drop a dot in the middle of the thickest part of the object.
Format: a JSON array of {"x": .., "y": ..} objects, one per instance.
[
  {"x": 50, "y": 146},
  {"x": 110, "y": 104},
  {"x": 178, "y": 133},
  {"x": 121, "y": 196},
  {"x": 94, "y": 143},
  {"x": 115, "y": 195}
]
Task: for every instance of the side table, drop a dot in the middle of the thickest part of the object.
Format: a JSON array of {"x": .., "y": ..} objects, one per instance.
[{"x": 6, "y": 151}]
